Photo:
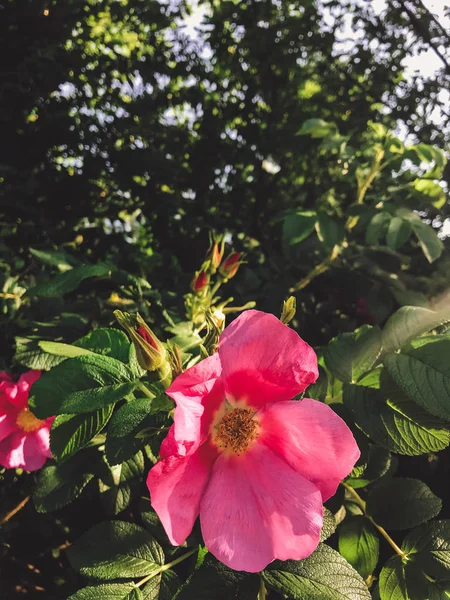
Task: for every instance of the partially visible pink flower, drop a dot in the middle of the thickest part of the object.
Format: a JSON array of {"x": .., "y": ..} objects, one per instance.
[
  {"x": 24, "y": 439},
  {"x": 255, "y": 465}
]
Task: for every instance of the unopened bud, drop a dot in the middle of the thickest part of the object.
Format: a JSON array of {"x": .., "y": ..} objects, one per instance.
[
  {"x": 176, "y": 360},
  {"x": 150, "y": 352},
  {"x": 289, "y": 308},
  {"x": 230, "y": 265},
  {"x": 215, "y": 252},
  {"x": 200, "y": 281}
]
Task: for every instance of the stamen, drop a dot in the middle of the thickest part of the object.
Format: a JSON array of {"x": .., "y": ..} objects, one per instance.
[
  {"x": 236, "y": 430},
  {"x": 27, "y": 421}
]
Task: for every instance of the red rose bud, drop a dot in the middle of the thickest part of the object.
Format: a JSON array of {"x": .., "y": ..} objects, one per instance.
[
  {"x": 230, "y": 265},
  {"x": 150, "y": 352},
  {"x": 201, "y": 280},
  {"x": 215, "y": 253}
]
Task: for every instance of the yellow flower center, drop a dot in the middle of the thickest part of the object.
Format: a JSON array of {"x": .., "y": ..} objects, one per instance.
[
  {"x": 27, "y": 421},
  {"x": 236, "y": 430}
]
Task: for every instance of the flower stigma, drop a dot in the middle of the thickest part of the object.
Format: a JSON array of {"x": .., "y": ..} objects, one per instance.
[
  {"x": 27, "y": 421},
  {"x": 236, "y": 430}
]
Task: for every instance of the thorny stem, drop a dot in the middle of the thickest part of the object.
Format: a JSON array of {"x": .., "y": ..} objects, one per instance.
[
  {"x": 165, "y": 567},
  {"x": 318, "y": 270},
  {"x": 14, "y": 511},
  {"x": 362, "y": 505},
  {"x": 262, "y": 594}
]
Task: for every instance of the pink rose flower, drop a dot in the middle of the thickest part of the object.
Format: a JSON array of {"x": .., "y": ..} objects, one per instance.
[
  {"x": 24, "y": 439},
  {"x": 255, "y": 465}
]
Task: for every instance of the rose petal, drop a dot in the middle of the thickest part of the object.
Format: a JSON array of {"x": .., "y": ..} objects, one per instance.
[
  {"x": 36, "y": 449},
  {"x": 7, "y": 425},
  {"x": 11, "y": 451},
  {"x": 198, "y": 393},
  {"x": 312, "y": 439},
  {"x": 176, "y": 485},
  {"x": 256, "y": 508},
  {"x": 264, "y": 361},
  {"x": 23, "y": 387}
]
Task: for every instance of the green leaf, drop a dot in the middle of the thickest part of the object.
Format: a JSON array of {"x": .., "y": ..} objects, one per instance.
[
  {"x": 116, "y": 549},
  {"x": 57, "y": 485},
  {"x": 423, "y": 374},
  {"x": 162, "y": 587},
  {"x": 297, "y": 226},
  {"x": 431, "y": 245},
  {"x": 349, "y": 355},
  {"x": 377, "y": 227},
  {"x": 109, "y": 591},
  {"x": 408, "y": 323},
  {"x": 82, "y": 384},
  {"x": 121, "y": 484},
  {"x": 329, "y": 524},
  {"x": 317, "y": 128},
  {"x": 329, "y": 231},
  {"x": 213, "y": 580},
  {"x": 318, "y": 390},
  {"x": 394, "y": 422},
  {"x": 64, "y": 350},
  {"x": 431, "y": 190},
  {"x": 398, "y": 233},
  {"x": 55, "y": 258},
  {"x": 107, "y": 341},
  {"x": 70, "y": 433},
  {"x": 29, "y": 354},
  {"x": 69, "y": 281},
  {"x": 325, "y": 575},
  {"x": 401, "y": 503},
  {"x": 428, "y": 546},
  {"x": 128, "y": 421},
  {"x": 359, "y": 544},
  {"x": 392, "y": 580}
]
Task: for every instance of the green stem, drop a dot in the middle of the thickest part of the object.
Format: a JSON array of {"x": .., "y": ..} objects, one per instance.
[
  {"x": 165, "y": 567},
  {"x": 374, "y": 170},
  {"x": 262, "y": 594},
  {"x": 215, "y": 288},
  {"x": 145, "y": 390},
  {"x": 362, "y": 505},
  {"x": 321, "y": 268}
]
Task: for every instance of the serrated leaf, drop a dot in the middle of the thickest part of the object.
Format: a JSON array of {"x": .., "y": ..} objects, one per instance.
[
  {"x": 81, "y": 384},
  {"x": 107, "y": 341},
  {"x": 401, "y": 503},
  {"x": 110, "y": 591},
  {"x": 359, "y": 544},
  {"x": 70, "y": 433},
  {"x": 392, "y": 584},
  {"x": 212, "y": 579},
  {"x": 57, "y": 485},
  {"x": 127, "y": 423},
  {"x": 121, "y": 484},
  {"x": 398, "y": 233},
  {"x": 431, "y": 245},
  {"x": 329, "y": 524},
  {"x": 69, "y": 281},
  {"x": 350, "y": 355},
  {"x": 297, "y": 226},
  {"x": 428, "y": 546},
  {"x": 423, "y": 374},
  {"x": 29, "y": 354},
  {"x": 408, "y": 323},
  {"x": 64, "y": 350},
  {"x": 162, "y": 587},
  {"x": 116, "y": 549},
  {"x": 395, "y": 422},
  {"x": 325, "y": 575}
]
